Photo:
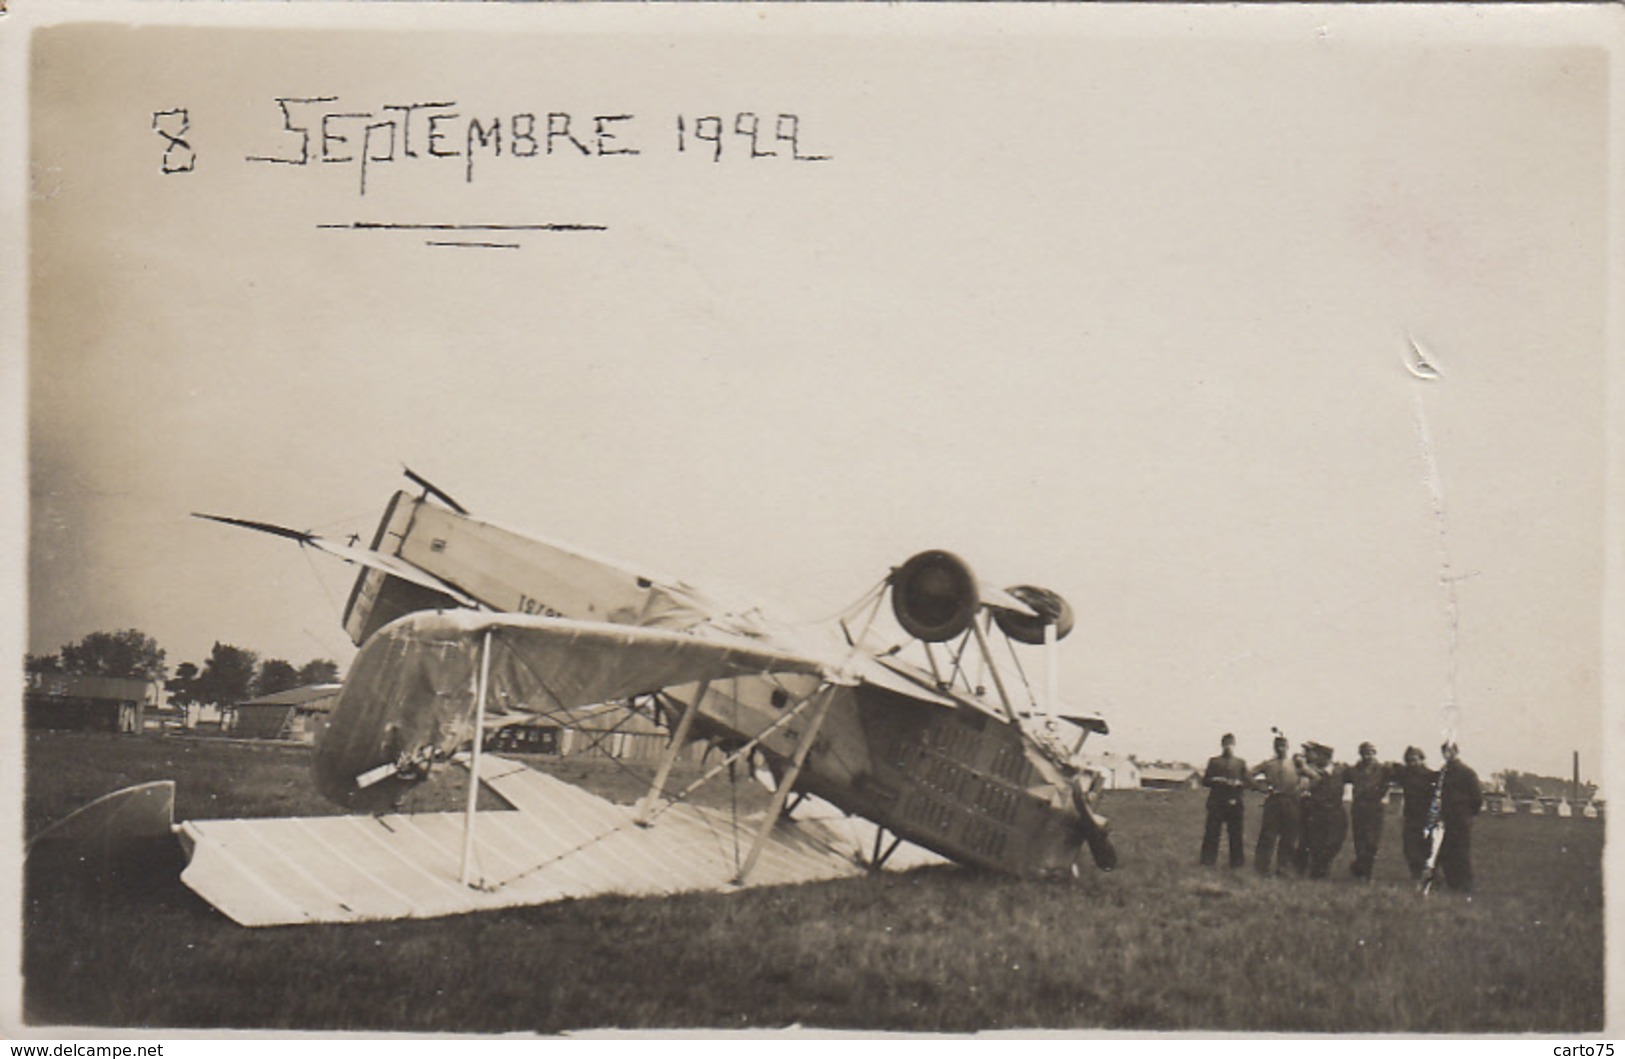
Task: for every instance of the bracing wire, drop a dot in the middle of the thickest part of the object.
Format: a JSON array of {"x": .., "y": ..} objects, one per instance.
[
  {"x": 317, "y": 577},
  {"x": 872, "y": 592}
]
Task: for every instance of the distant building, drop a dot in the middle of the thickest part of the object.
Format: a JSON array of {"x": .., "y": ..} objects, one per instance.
[
  {"x": 1117, "y": 771},
  {"x": 1169, "y": 776},
  {"x": 297, "y": 715},
  {"x": 71, "y": 700},
  {"x": 1555, "y": 805},
  {"x": 605, "y": 731}
]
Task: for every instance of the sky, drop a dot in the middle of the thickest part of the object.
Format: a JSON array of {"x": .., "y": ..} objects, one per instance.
[{"x": 1100, "y": 303}]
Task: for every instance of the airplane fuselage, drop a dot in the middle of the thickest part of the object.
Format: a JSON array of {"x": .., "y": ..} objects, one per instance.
[{"x": 935, "y": 767}]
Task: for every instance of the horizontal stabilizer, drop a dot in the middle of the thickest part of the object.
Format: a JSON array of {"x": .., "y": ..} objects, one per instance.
[
  {"x": 124, "y": 836},
  {"x": 389, "y": 564}
]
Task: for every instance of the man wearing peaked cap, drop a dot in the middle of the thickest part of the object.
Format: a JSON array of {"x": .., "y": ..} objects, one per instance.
[{"x": 1324, "y": 823}]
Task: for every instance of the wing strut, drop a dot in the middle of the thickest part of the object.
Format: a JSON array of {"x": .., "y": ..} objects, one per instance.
[
  {"x": 878, "y": 859},
  {"x": 936, "y": 674},
  {"x": 998, "y": 681},
  {"x": 678, "y": 739},
  {"x": 1052, "y": 685},
  {"x": 474, "y": 762},
  {"x": 804, "y": 746}
]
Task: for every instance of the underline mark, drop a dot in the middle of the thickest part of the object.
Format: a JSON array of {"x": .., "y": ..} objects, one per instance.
[{"x": 383, "y": 226}]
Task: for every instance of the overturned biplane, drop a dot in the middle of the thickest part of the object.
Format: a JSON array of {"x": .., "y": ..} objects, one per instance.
[{"x": 463, "y": 626}]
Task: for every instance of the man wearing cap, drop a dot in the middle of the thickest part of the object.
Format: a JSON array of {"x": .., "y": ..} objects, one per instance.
[
  {"x": 1225, "y": 779},
  {"x": 1278, "y": 827},
  {"x": 1370, "y": 781},
  {"x": 1460, "y": 798},
  {"x": 1325, "y": 823},
  {"x": 1416, "y": 782}
]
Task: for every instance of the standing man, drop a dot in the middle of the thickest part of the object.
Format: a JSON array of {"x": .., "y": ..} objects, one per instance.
[
  {"x": 1225, "y": 779},
  {"x": 1459, "y": 801},
  {"x": 1370, "y": 781},
  {"x": 1325, "y": 823},
  {"x": 1278, "y": 829},
  {"x": 1416, "y": 782}
]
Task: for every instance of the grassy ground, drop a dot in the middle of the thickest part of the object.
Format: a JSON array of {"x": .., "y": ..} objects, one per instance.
[{"x": 1161, "y": 944}]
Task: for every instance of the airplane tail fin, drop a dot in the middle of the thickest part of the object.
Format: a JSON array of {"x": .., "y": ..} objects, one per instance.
[{"x": 379, "y": 597}]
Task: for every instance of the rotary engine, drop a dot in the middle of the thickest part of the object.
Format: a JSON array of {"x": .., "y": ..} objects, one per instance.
[{"x": 935, "y": 597}]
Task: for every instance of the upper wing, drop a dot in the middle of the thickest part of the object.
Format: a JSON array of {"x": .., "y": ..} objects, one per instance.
[{"x": 412, "y": 689}]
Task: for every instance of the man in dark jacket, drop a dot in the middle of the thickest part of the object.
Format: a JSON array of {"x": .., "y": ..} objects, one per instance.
[
  {"x": 1416, "y": 782},
  {"x": 1225, "y": 779},
  {"x": 1460, "y": 799}
]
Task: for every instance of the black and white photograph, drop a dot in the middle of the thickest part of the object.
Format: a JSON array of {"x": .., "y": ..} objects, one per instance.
[{"x": 786, "y": 519}]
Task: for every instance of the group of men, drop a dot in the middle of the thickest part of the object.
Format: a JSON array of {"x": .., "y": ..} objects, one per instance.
[{"x": 1304, "y": 822}]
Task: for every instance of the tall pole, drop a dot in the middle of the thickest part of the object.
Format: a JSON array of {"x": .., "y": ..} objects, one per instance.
[
  {"x": 1576, "y": 799},
  {"x": 474, "y": 759}
]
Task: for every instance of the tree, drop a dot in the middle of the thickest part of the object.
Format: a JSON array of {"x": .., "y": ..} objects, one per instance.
[
  {"x": 182, "y": 687},
  {"x": 228, "y": 675},
  {"x": 319, "y": 671},
  {"x": 126, "y": 653},
  {"x": 42, "y": 663},
  {"x": 276, "y": 674}
]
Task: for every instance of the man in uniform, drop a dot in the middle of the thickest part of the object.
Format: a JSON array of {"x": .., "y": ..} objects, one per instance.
[
  {"x": 1370, "y": 781},
  {"x": 1225, "y": 779},
  {"x": 1325, "y": 823},
  {"x": 1416, "y": 782},
  {"x": 1278, "y": 827},
  {"x": 1459, "y": 801}
]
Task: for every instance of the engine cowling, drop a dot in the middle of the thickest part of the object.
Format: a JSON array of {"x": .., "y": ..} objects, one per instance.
[
  {"x": 1052, "y": 609},
  {"x": 935, "y": 596}
]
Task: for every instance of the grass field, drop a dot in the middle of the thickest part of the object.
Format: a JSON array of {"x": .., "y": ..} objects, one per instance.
[{"x": 1160, "y": 944}]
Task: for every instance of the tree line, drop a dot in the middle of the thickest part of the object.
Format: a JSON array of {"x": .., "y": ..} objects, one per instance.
[{"x": 230, "y": 673}]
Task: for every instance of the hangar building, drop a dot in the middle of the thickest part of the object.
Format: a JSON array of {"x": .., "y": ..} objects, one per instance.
[
  {"x": 296, "y": 715},
  {"x": 73, "y": 700}
]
